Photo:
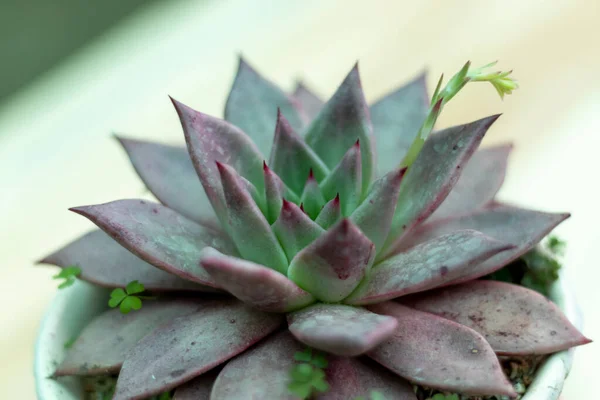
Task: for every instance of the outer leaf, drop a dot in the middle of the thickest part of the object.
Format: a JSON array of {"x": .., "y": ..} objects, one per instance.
[
  {"x": 350, "y": 377},
  {"x": 514, "y": 320},
  {"x": 168, "y": 173},
  {"x": 247, "y": 221},
  {"x": 345, "y": 179},
  {"x": 435, "y": 171},
  {"x": 339, "y": 329},
  {"x": 294, "y": 229},
  {"x": 260, "y": 373},
  {"x": 426, "y": 266},
  {"x": 333, "y": 265},
  {"x": 190, "y": 345},
  {"x": 374, "y": 215},
  {"x": 310, "y": 102},
  {"x": 480, "y": 181},
  {"x": 397, "y": 118},
  {"x": 254, "y": 284},
  {"x": 106, "y": 263},
  {"x": 198, "y": 388},
  {"x": 525, "y": 228},
  {"x": 209, "y": 140},
  {"x": 292, "y": 159},
  {"x": 330, "y": 213},
  {"x": 252, "y": 105},
  {"x": 438, "y": 353},
  {"x": 100, "y": 349},
  {"x": 342, "y": 121},
  {"x": 158, "y": 235}
]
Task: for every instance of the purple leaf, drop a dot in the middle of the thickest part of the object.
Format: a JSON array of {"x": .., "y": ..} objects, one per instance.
[
  {"x": 294, "y": 229},
  {"x": 477, "y": 186},
  {"x": 330, "y": 213},
  {"x": 188, "y": 346},
  {"x": 514, "y": 320},
  {"x": 254, "y": 284},
  {"x": 345, "y": 180},
  {"x": 106, "y": 263},
  {"x": 198, "y": 388},
  {"x": 292, "y": 159},
  {"x": 252, "y": 105},
  {"x": 246, "y": 220},
  {"x": 100, "y": 349},
  {"x": 209, "y": 140},
  {"x": 339, "y": 329},
  {"x": 433, "y": 174},
  {"x": 333, "y": 265},
  {"x": 397, "y": 118},
  {"x": 343, "y": 120},
  {"x": 426, "y": 266},
  {"x": 310, "y": 102},
  {"x": 350, "y": 377},
  {"x": 168, "y": 173},
  {"x": 522, "y": 227},
  {"x": 158, "y": 235},
  {"x": 374, "y": 215},
  {"x": 432, "y": 351}
]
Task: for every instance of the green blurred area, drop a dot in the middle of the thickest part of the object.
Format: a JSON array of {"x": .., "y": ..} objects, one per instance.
[{"x": 37, "y": 34}]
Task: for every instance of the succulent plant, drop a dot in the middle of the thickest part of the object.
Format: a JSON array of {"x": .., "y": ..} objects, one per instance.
[{"x": 361, "y": 236}]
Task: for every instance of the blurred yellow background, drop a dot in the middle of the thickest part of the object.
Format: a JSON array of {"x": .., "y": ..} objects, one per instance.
[{"x": 56, "y": 150}]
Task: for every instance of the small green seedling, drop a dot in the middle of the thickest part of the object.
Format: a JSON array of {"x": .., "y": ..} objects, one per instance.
[
  {"x": 374, "y": 395},
  {"x": 128, "y": 299},
  {"x": 441, "y": 396},
  {"x": 556, "y": 245},
  {"x": 308, "y": 377},
  {"x": 69, "y": 274}
]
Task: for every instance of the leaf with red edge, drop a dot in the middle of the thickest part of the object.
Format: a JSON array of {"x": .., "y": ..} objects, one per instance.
[
  {"x": 330, "y": 213},
  {"x": 211, "y": 139},
  {"x": 310, "y": 102},
  {"x": 186, "y": 347},
  {"x": 426, "y": 266},
  {"x": 252, "y": 105},
  {"x": 100, "y": 349},
  {"x": 158, "y": 235},
  {"x": 294, "y": 229},
  {"x": 514, "y": 320},
  {"x": 198, "y": 388},
  {"x": 339, "y": 329},
  {"x": 334, "y": 264},
  {"x": 432, "y": 351},
  {"x": 345, "y": 180},
  {"x": 433, "y": 174},
  {"x": 519, "y": 226},
  {"x": 254, "y": 284},
  {"x": 106, "y": 263},
  {"x": 168, "y": 172},
  {"x": 275, "y": 192},
  {"x": 477, "y": 186}
]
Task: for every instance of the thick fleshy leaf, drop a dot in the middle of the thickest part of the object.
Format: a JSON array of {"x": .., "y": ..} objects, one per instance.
[
  {"x": 345, "y": 180},
  {"x": 250, "y": 230},
  {"x": 252, "y": 105},
  {"x": 438, "y": 353},
  {"x": 294, "y": 229},
  {"x": 275, "y": 192},
  {"x": 106, "y": 263},
  {"x": 426, "y": 266},
  {"x": 188, "y": 346},
  {"x": 519, "y": 226},
  {"x": 351, "y": 378},
  {"x": 396, "y": 119},
  {"x": 514, "y": 320},
  {"x": 169, "y": 174},
  {"x": 333, "y": 265},
  {"x": 100, "y": 349},
  {"x": 254, "y": 284},
  {"x": 261, "y": 372},
  {"x": 209, "y": 140},
  {"x": 198, "y": 388},
  {"x": 312, "y": 199},
  {"x": 158, "y": 235},
  {"x": 330, "y": 213},
  {"x": 339, "y": 329},
  {"x": 374, "y": 215},
  {"x": 292, "y": 159},
  {"x": 343, "y": 120},
  {"x": 311, "y": 104},
  {"x": 435, "y": 171},
  {"x": 477, "y": 186}
]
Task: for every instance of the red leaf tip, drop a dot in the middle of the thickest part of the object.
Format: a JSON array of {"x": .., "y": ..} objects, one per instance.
[
  {"x": 336, "y": 200},
  {"x": 357, "y": 143}
]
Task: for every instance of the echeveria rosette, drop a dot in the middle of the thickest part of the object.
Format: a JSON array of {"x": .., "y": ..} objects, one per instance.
[{"x": 353, "y": 209}]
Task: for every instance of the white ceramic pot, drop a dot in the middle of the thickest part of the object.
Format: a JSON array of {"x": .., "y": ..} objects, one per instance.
[{"x": 73, "y": 308}]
